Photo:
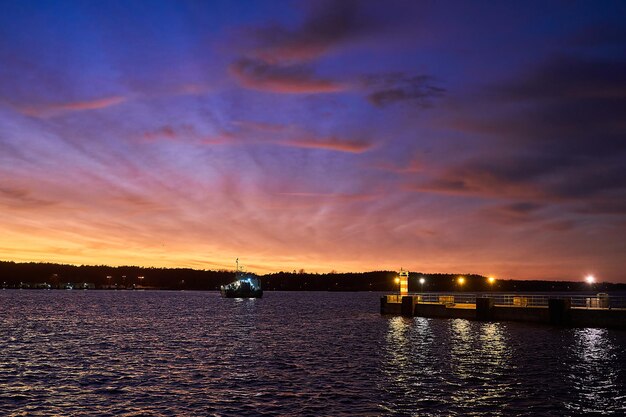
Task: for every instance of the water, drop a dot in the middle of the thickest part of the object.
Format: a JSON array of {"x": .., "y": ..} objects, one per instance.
[{"x": 194, "y": 353}]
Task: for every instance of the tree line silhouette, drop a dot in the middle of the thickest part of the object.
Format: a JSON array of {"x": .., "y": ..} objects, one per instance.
[{"x": 50, "y": 275}]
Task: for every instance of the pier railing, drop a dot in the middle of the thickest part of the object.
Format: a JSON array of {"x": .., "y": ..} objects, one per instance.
[{"x": 601, "y": 300}]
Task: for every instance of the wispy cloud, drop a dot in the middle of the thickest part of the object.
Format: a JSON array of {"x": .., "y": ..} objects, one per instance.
[
  {"x": 164, "y": 132},
  {"x": 261, "y": 126},
  {"x": 414, "y": 166},
  {"x": 253, "y": 132},
  {"x": 388, "y": 89},
  {"x": 289, "y": 79},
  {"x": 332, "y": 144},
  {"x": 330, "y": 196},
  {"x": 48, "y": 110},
  {"x": 188, "y": 134}
]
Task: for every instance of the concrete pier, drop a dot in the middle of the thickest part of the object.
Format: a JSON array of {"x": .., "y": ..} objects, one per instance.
[{"x": 561, "y": 310}]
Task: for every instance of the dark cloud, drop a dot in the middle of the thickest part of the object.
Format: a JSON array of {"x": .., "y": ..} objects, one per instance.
[
  {"x": 560, "y": 225},
  {"x": 592, "y": 177},
  {"x": 22, "y": 198},
  {"x": 282, "y": 59},
  {"x": 614, "y": 203},
  {"x": 327, "y": 25},
  {"x": 387, "y": 89},
  {"x": 561, "y": 138},
  {"x": 511, "y": 176},
  {"x": 540, "y": 178},
  {"x": 578, "y": 107},
  {"x": 571, "y": 78},
  {"x": 603, "y": 35},
  {"x": 294, "y": 78},
  {"x": 523, "y": 207},
  {"x": 521, "y": 212}
]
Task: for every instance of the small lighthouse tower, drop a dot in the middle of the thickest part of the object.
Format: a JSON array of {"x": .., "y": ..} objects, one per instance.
[{"x": 404, "y": 281}]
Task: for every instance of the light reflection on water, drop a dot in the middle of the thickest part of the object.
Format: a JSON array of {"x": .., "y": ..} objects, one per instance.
[
  {"x": 481, "y": 365},
  {"x": 595, "y": 374},
  {"x": 162, "y": 353}
]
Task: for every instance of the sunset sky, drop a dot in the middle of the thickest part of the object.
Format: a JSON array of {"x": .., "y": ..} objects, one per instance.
[{"x": 437, "y": 136}]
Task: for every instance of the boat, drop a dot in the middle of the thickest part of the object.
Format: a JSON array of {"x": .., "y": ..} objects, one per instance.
[{"x": 245, "y": 285}]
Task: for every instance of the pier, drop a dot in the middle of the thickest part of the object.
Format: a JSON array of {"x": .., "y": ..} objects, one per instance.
[{"x": 600, "y": 310}]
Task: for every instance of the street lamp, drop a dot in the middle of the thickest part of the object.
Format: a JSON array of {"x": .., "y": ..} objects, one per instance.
[
  {"x": 590, "y": 280},
  {"x": 461, "y": 281},
  {"x": 491, "y": 280},
  {"x": 397, "y": 281},
  {"x": 422, "y": 281}
]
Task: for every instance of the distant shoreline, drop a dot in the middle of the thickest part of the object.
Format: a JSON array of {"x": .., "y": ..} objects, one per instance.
[{"x": 59, "y": 276}]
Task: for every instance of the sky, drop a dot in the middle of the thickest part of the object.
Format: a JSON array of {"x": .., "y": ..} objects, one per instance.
[{"x": 435, "y": 136}]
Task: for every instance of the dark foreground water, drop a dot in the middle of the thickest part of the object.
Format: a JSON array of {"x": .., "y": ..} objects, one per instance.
[{"x": 194, "y": 353}]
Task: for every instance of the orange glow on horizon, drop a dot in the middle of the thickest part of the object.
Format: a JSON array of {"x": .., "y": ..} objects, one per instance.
[{"x": 273, "y": 228}]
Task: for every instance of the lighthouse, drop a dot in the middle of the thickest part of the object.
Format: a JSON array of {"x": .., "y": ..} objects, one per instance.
[{"x": 404, "y": 282}]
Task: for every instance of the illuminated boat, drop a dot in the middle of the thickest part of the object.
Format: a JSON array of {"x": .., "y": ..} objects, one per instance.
[{"x": 244, "y": 286}]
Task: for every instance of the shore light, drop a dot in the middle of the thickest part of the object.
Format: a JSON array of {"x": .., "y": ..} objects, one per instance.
[
  {"x": 422, "y": 281},
  {"x": 491, "y": 280},
  {"x": 461, "y": 280},
  {"x": 590, "y": 279}
]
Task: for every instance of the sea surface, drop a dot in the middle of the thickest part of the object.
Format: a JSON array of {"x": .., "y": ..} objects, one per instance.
[{"x": 158, "y": 353}]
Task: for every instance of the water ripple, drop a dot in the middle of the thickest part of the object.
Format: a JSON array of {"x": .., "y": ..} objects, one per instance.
[{"x": 187, "y": 353}]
